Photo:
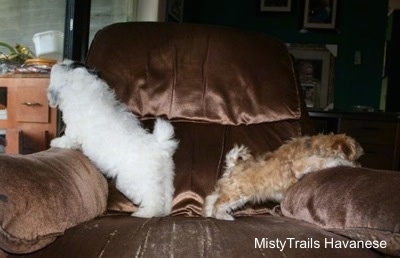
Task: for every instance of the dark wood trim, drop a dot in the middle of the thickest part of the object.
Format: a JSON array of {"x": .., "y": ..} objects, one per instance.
[{"x": 77, "y": 26}]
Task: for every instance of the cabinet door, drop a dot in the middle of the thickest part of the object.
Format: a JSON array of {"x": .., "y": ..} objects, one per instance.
[
  {"x": 378, "y": 139},
  {"x": 369, "y": 131},
  {"x": 33, "y": 141},
  {"x": 13, "y": 141},
  {"x": 29, "y": 124}
]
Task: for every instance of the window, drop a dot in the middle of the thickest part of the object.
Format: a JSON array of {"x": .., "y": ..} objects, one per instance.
[
  {"x": 22, "y": 19},
  {"x": 106, "y": 12}
]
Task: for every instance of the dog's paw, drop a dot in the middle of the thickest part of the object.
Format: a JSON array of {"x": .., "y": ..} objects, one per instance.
[
  {"x": 222, "y": 214},
  {"x": 147, "y": 213},
  {"x": 142, "y": 214},
  {"x": 64, "y": 143},
  {"x": 218, "y": 212}
]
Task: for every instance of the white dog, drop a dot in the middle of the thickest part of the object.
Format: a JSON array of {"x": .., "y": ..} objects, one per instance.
[{"x": 114, "y": 139}]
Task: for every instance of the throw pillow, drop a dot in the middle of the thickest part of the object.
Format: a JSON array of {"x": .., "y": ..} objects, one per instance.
[
  {"x": 362, "y": 204},
  {"x": 43, "y": 194}
]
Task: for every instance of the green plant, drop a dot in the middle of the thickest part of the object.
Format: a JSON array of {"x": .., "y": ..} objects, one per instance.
[{"x": 17, "y": 54}]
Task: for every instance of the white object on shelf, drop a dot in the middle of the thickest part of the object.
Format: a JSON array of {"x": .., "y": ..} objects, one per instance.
[
  {"x": 3, "y": 115},
  {"x": 49, "y": 44}
]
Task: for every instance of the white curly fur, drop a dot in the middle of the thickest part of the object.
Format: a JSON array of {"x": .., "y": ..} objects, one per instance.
[{"x": 114, "y": 139}]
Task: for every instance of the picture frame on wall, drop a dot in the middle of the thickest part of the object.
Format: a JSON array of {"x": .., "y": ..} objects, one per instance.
[
  {"x": 275, "y": 5},
  {"x": 315, "y": 66},
  {"x": 320, "y": 14},
  {"x": 175, "y": 10}
]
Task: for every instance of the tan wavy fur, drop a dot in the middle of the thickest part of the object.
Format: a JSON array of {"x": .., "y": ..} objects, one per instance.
[{"x": 255, "y": 179}]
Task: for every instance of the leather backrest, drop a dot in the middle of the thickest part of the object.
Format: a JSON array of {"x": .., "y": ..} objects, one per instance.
[
  {"x": 219, "y": 87},
  {"x": 194, "y": 72}
]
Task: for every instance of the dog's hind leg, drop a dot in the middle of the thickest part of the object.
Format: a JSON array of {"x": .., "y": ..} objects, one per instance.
[
  {"x": 151, "y": 205},
  {"x": 147, "y": 194},
  {"x": 151, "y": 199},
  {"x": 168, "y": 185}
]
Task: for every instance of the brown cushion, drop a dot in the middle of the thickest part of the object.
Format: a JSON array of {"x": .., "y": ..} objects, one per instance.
[
  {"x": 126, "y": 236},
  {"x": 43, "y": 194},
  {"x": 362, "y": 204}
]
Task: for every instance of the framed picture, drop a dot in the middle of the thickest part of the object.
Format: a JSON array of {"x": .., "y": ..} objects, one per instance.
[
  {"x": 320, "y": 14},
  {"x": 315, "y": 67},
  {"x": 275, "y": 5},
  {"x": 175, "y": 10}
]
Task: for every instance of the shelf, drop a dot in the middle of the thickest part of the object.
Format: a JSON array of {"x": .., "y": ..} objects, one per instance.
[{"x": 27, "y": 129}]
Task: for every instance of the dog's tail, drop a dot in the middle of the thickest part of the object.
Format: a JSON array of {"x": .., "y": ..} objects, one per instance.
[
  {"x": 164, "y": 133},
  {"x": 236, "y": 155}
]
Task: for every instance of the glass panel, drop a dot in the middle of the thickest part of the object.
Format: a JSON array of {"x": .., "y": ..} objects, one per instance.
[
  {"x": 3, "y": 98},
  {"x": 2, "y": 141},
  {"x": 21, "y": 19},
  {"x": 3, "y": 116},
  {"x": 3, "y": 103},
  {"x": 106, "y": 12}
]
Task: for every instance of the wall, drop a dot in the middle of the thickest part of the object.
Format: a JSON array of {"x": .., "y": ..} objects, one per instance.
[{"x": 361, "y": 26}]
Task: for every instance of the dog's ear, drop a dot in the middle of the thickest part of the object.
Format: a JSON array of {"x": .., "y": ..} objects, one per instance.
[
  {"x": 350, "y": 147},
  {"x": 359, "y": 150},
  {"x": 53, "y": 97},
  {"x": 75, "y": 65},
  {"x": 94, "y": 72}
]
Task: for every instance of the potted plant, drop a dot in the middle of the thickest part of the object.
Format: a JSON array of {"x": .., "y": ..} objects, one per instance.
[{"x": 15, "y": 55}]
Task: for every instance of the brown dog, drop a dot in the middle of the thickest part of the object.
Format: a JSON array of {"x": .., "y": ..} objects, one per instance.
[{"x": 249, "y": 179}]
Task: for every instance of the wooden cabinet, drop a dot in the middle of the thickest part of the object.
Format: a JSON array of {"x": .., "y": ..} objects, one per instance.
[
  {"x": 378, "y": 134},
  {"x": 29, "y": 123}
]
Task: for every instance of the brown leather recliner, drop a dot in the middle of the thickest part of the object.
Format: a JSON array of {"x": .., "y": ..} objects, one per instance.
[{"x": 219, "y": 86}]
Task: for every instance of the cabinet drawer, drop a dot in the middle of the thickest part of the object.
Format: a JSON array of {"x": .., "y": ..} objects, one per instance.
[
  {"x": 379, "y": 156},
  {"x": 32, "y": 104},
  {"x": 377, "y": 162},
  {"x": 379, "y": 132}
]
